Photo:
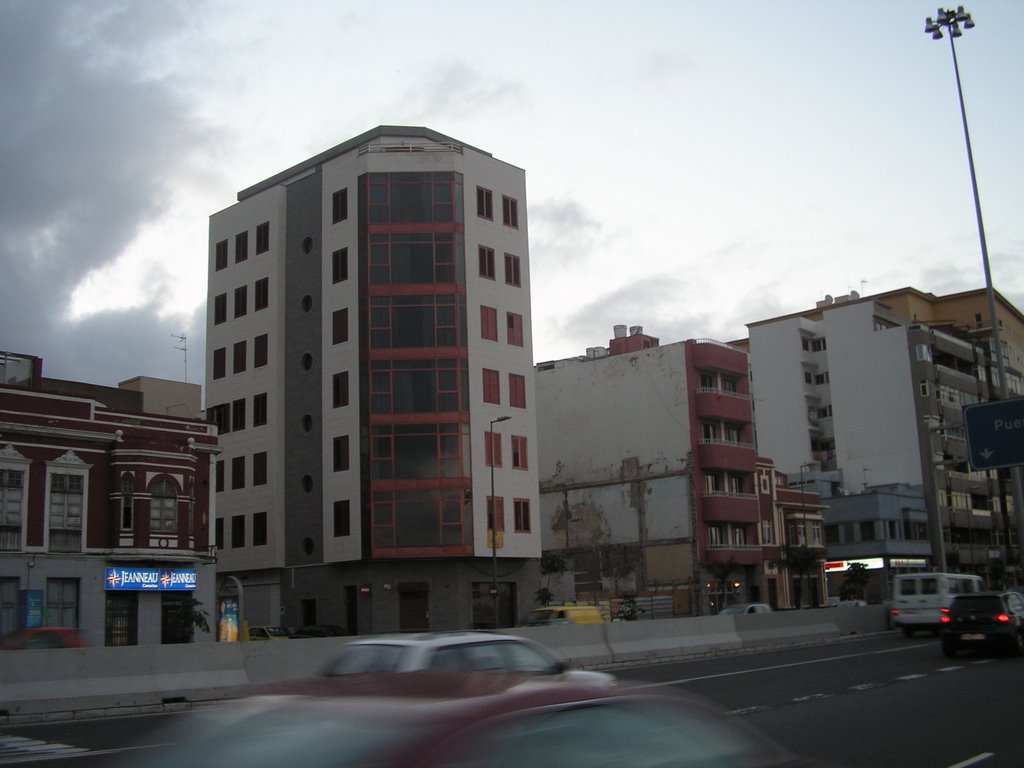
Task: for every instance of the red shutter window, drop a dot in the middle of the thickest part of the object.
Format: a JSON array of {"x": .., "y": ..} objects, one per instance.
[
  {"x": 516, "y": 390},
  {"x": 514, "y": 324},
  {"x": 489, "y": 323},
  {"x": 492, "y": 386}
]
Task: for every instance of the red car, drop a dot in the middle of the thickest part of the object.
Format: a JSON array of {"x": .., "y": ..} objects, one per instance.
[
  {"x": 43, "y": 637},
  {"x": 429, "y": 719}
]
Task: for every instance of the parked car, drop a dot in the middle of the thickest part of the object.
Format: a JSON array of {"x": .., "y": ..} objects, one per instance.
[
  {"x": 742, "y": 608},
  {"x": 432, "y": 719},
  {"x": 457, "y": 651},
  {"x": 268, "y": 633},
  {"x": 992, "y": 621},
  {"x": 320, "y": 630},
  {"x": 43, "y": 637},
  {"x": 564, "y": 614}
]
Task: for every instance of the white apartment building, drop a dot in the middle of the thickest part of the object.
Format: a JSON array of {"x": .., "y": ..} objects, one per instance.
[
  {"x": 861, "y": 395},
  {"x": 369, "y": 365}
]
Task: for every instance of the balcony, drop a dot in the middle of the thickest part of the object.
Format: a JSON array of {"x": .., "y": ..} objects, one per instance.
[
  {"x": 718, "y": 454},
  {"x": 720, "y": 507},
  {"x": 714, "y": 403},
  {"x": 65, "y": 540},
  {"x": 10, "y": 538},
  {"x": 741, "y": 554}
]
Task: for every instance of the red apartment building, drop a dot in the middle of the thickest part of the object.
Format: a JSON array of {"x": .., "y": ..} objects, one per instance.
[{"x": 105, "y": 508}]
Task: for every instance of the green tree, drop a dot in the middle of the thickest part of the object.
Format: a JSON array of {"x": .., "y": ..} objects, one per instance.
[
  {"x": 550, "y": 563},
  {"x": 720, "y": 572},
  {"x": 855, "y": 582}
]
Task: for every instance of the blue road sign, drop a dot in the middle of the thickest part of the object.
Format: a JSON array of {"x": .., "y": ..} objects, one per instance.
[{"x": 995, "y": 433}]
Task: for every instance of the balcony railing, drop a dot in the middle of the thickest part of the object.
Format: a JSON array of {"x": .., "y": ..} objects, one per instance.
[
  {"x": 65, "y": 540},
  {"x": 10, "y": 538}
]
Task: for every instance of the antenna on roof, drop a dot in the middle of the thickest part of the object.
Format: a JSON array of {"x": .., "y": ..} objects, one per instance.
[{"x": 184, "y": 348}]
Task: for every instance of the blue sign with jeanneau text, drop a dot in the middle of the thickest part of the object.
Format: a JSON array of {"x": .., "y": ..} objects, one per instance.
[{"x": 150, "y": 579}]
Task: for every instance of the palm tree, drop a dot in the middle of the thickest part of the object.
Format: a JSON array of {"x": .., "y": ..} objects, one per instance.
[{"x": 800, "y": 560}]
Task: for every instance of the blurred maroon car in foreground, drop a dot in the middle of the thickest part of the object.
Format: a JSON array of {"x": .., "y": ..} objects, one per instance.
[
  {"x": 466, "y": 720},
  {"x": 43, "y": 637}
]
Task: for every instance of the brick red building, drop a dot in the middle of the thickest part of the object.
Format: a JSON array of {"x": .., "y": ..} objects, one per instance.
[{"x": 105, "y": 508}]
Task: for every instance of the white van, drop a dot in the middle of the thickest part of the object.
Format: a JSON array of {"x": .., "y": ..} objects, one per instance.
[{"x": 918, "y": 598}]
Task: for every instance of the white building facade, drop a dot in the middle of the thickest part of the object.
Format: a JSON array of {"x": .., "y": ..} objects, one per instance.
[{"x": 369, "y": 324}]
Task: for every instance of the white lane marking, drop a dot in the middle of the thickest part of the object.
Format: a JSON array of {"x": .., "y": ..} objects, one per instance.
[
  {"x": 980, "y": 758},
  {"x": 948, "y": 669},
  {"x": 911, "y": 677},
  {"x": 813, "y": 697},
  {"x": 776, "y": 666},
  {"x": 747, "y": 710},
  {"x": 866, "y": 686}
]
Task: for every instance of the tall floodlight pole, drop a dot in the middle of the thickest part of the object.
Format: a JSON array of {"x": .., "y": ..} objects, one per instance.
[
  {"x": 952, "y": 21},
  {"x": 493, "y": 515}
]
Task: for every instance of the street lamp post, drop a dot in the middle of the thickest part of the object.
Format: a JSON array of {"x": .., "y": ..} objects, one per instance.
[
  {"x": 493, "y": 520},
  {"x": 951, "y": 21}
]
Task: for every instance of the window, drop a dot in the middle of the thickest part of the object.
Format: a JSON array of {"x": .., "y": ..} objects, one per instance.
[
  {"x": 509, "y": 212},
  {"x": 819, "y": 345},
  {"x": 238, "y": 415},
  {"x": 220, "y": 362},
  {"x": 260, "y": 351},
  {"x": 259, "y": 409},
  {"x": 237, "y": 357},
  {"x": 163, "y": 508},
  {"x": 261, "y": 294},
  {"x": 486, "y": 262},
  {"x": 516, "y": 390},
  {"x": 867, "y": 531},
  {"x": 220, "y": 255},
  {"x": 62, "y": 602},
  {"x": 512, "y": 276},
  {"x": 241, "y": 300},
  {"x": 218, "y": 534},
  {"x": 714, "y": 535},
  {"x": 514, "y": 326},
  {"x": 339, "y": 265},
  {"x": 519, "y": 452},
  {"x": 406, "y": 198},
  {"x": 237, "y": 531},
  {"x": 127, "y": 501},
  {"x": 426, "y": 258},
  {"x": 492, "y": 386},
  {"x": 521, "y": 513},
  {"x": 67, "y": 496},
  {"x": 342, "y": 518},
  {"x": 339, "y": 326},
  {"x": 263, "y": 237},
  {"x": 488, "y": 323},
  {"x": 259, "y": 529},
  {"x": 220, "y": 308},
  {"x": 340, "y": 389},
  {"x": 341, "y": 456},
  {"x": 339, "y": 205},
  {"x": 237, "y": 473},
  {"x": 492, "y": 449},
  {"x": 220, "y": 416},
  {"x": 241, "y": 246},
  {"x": 767, "y": 532},
  {"x": 218, "y": 472},
  {"x": 495, "y": 513},
  {"x": 259, "y": 468},
  {"x": 484, "y": 203}
]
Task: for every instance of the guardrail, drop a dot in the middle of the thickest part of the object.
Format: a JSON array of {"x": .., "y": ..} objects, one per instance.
[{"x": 78, "y": 683}]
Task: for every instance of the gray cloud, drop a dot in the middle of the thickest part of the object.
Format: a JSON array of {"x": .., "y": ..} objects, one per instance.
[
  {"x": 562, "y": 232},
  {"x": 89, "y": 154}
]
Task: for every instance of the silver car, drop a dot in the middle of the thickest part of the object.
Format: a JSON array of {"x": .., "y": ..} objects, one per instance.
[{"x": 458, "y": 651}]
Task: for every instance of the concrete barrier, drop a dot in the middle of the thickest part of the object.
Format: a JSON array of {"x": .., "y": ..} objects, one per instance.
[{"x": 82, "y": 682}]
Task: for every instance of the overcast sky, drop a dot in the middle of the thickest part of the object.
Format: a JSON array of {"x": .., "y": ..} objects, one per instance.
[{"x": 691, "y": 167}]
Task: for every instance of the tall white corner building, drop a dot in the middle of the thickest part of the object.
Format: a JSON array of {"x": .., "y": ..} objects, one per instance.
[{"x": 369, "y": 366}]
